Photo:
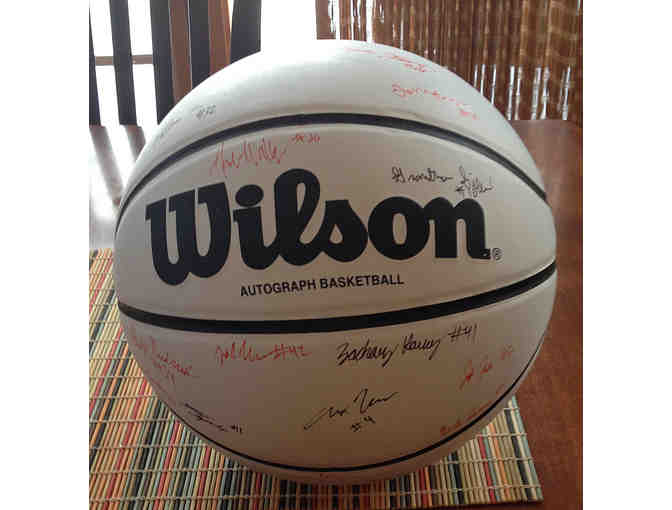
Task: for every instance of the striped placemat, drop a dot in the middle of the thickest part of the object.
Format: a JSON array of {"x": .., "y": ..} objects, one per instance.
[{"x": 141, "y": 456}]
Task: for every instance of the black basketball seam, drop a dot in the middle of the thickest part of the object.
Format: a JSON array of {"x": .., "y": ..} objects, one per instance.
[
  {"x": 345, "y": 323},
  {"x": 377, "y": 464},
  {"x": 332, "y": 118}
]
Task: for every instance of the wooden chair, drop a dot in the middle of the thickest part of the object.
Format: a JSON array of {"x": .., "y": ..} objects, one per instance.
[{"x": 203, "y": 45}]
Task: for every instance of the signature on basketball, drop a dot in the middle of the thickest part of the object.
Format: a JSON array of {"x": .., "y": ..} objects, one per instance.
[
  {"x": 428, "y": 175},
  {"x": 165, "y": 364},
  {"x": 201, "y": 416},
  {"x": 470, "y": 186},
  {"x": 351, "y": 352},
  {"x": 486, "y": 364},
  {"x": 358, "y": 407},
  {"x": 249, "y": 153}
]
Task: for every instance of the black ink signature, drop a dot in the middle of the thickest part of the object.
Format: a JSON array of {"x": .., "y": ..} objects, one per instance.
[
  {"x": 201, "y": 416},
  {"x": 428, "y": 176},
  {"x": 427, "y": 344},
  {"x": 471, "y": 186},
  {"x": 330, "y": 412},
  {"x": 348, "y": 353},
  {"x": 365, "y": 403},
  {"x": 366, "y": 351}
]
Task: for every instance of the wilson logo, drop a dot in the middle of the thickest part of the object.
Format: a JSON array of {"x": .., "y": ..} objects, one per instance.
[{"x": 291, "y": 219}]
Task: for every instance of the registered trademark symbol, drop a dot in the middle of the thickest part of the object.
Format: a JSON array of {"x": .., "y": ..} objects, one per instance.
[{"x": 497, "y": 253}]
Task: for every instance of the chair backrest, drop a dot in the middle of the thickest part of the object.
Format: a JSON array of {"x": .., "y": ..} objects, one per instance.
[{"x": 208, "y": 44}]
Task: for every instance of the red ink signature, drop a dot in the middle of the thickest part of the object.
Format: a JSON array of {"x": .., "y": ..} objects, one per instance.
[
  {"x": 247, "y": 353},
  {"x": 464, "y": 109},
  {"x": 135, "y": 340},
  {"x": 468, "y": 374},
  {"x": 485, "y": 366},
  {"x": 408, "y": 63},
  {"x": 170, "y": 362},
  {"x": 507, "y": 351},
  {"x": 249, "y": 153},
  {"x": 414, "y": 66},
  {"x": 306, "y": 138},
  {"x": 162, "y": 361},
  {"x": 163, "y": 371},
  {"x": 360, "y": 50},
  {"x": 476, "y": 411}
]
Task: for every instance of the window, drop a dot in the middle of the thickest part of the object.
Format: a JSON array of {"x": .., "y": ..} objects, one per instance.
[
  {"x": 141, "y": 49},
  {"x": 275, "y": 18}
]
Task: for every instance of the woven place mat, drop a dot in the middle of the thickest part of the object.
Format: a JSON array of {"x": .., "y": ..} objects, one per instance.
[{"x": 141, "y": 456}]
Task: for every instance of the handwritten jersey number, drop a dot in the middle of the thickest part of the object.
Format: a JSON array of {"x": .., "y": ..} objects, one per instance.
[
  {"x": 306, "y": 138},
  {"x": 204, "y": 111},
  {"x": 357, "y": 426}
]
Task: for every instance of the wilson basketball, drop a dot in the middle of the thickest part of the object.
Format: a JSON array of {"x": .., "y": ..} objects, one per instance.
[{"x": 337, "y": 264}]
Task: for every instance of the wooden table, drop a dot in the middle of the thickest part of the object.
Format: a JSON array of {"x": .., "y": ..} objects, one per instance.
[{"x": 551, "y": 397}]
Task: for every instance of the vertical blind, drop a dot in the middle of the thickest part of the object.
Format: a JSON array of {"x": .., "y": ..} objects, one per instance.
[{"x": 525, "y": 56}]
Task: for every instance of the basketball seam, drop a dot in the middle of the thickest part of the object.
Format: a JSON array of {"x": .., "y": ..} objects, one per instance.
[
  {"x": 331, "y": 118},
  {"x": 345, "y": 323}
]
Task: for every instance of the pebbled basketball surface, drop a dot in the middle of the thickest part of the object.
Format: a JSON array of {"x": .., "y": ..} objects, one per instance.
[{"x": 140, "y": 453}]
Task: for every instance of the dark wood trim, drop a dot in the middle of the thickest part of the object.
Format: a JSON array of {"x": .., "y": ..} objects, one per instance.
[
  {"x": 94, "y": 105},
  {"x": 359, "y": 17},
  {"x": 179, "y": 44},
  {"x": 163, "y": 68},
  {"x": 107, "y": 60},
  {"x": 123, "y": 64},
  {"x": 199, "y": 41},
  {"x": 220, "y": 35},
  {"x": 405, "y": 30},
  {"x": 245, "y": 29},
  {"x": 323, "y": 20}
]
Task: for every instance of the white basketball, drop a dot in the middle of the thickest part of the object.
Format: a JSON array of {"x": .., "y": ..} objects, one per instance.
[{"x": 335, "y": 264}]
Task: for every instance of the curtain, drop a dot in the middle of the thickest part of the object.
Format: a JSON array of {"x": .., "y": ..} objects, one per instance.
[{"x": 525, "y": 56}]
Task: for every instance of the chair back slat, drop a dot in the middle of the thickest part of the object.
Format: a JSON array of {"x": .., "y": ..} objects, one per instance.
[
  {"x": 179, "y": 48},
  {"x": 191, "y": 39},
  {"x": 245, "y": 29},
  {"x": 94, "y": 106},
  {"x": 199, "y": 39},
  {"x": 161, "y": 57},
  {"x": 123, "y": 65},
  {"x": 220, "y": 34}
]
